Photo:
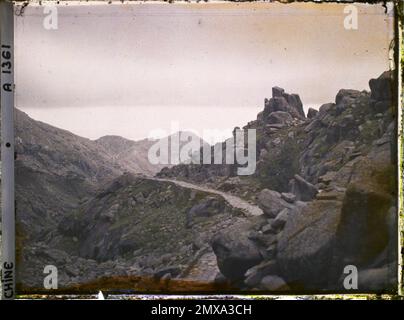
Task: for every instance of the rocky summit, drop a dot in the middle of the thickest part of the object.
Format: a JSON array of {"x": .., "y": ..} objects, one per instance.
[{"x": 322, "y": 197}]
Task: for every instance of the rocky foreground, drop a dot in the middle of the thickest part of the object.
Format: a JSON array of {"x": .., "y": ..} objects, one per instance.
[{"x": 323, "y": 197}]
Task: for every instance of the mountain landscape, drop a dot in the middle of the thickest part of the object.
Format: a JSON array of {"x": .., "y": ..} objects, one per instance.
[{"x": 323, "y": 197}]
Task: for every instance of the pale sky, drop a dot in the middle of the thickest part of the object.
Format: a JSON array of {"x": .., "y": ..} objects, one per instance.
[{"x": 129, "y": 69}]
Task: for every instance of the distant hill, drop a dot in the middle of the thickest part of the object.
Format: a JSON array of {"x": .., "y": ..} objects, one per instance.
[{"x": 132, "y": 155}]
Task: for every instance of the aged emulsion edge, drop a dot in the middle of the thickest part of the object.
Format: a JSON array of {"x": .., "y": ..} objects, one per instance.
[
  {"x": 400, "y": 97},
  {"x": 8, "y": 223},
  {"x": 7, "y": 149}
]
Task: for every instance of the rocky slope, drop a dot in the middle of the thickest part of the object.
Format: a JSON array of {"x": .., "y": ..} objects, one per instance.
[
  {"x": 54, "y": 171},
  {"x": 327, "y": 186},
  {"x": 338, "y": 207},
  {"x": 135, "y": 227}
]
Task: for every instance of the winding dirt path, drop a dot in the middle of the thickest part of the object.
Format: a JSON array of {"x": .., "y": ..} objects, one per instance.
[
  {"x": 205, "y": 268},
  {"x": 232, "y": 200}
]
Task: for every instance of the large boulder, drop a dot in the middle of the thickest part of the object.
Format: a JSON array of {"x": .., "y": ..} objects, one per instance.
[
  {"x": 295, "y": 105},
  {"x": 354, "y": 228},
  {"x": 271, "y": 202},
  {"x": 305, "y": 246},
  {"x": 345, "y": 96},
  {"x": 285, "y": 102},
  {"x": 381, "y": 88},
  {"x": 235, "y": 253},
  {"x": 311, "y": 113},
  {"x": 366, "y": 235},
  {"x": 381, "y": 92},
  {"x": 280, "y": 220},
  {"x": 288, "y": 197},
  {"x": 303, "y": 189},
  {"x": 363, "y": 229},
  {"x": 381, "y": 106},
  {"x": 313, "y": 126},
  {"x": 325, "y": 109},
  {"x": 275, "y": 104},
  {"x": 280, "y": 117},
  {"x": 206, "y": 208},
  {"x": 277, "y": 92}
]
